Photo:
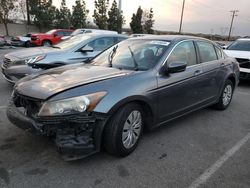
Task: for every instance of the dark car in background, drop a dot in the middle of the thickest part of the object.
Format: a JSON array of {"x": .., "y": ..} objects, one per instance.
[
  {"x": 140, "y": 83},
  {"x": 49, "y": 38},
  {"x": 80, "y": 48},
  {"x": 3, "y": 41}
]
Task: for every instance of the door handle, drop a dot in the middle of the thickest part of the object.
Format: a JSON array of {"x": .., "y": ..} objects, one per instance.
[
  {"x": 222, "y": 64},
  {"x": 197, "y": 72}
]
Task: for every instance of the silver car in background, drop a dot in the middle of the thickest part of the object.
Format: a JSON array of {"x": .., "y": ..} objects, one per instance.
[{"x": 80, "y": 48}]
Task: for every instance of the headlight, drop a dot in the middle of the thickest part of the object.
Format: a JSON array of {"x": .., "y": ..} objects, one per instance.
[
  {"x": 34, "y": 59},
  {"x": 72, "y": 105}
]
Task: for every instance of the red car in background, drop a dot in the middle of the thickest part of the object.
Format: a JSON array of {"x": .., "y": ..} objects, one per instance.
[{"x": 50, "y": 38}]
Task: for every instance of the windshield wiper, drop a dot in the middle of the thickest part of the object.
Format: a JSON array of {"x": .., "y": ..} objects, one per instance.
[
  {"x": 134, "y": 60},
  {"x": 111, "y": 56}
]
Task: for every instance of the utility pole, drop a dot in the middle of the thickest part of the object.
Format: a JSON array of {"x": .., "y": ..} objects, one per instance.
[
  {"x": 234, "y": 13},
  {"x": 182, "y": 12},
  {"x": 28, "y": 12}
]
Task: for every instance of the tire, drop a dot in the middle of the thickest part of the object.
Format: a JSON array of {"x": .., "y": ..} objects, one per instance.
[
  {"x": 46, "y": 43},
  {"x": 118, "y": 127},
  {"x": 27, "y": 44},
  {"x": 223, "y": 102}
]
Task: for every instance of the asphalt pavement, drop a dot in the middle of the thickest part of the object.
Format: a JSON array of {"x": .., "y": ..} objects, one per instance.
[{"x": 208, "y": 148}]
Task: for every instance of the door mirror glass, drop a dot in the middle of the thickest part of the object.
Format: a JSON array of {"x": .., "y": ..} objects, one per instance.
[
  {"x": 176, "y": 66},
  {"x": 86, "y": 49}
]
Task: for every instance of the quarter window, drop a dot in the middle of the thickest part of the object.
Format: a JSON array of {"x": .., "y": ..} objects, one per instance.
[
  {"x": 184, "y": 52},
  {"x": 219, "y": 53},
  {"x": 207, "y": 51}
]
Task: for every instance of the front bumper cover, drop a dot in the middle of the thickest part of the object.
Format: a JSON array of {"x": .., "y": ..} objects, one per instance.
[{"x": 76, "y": 136}]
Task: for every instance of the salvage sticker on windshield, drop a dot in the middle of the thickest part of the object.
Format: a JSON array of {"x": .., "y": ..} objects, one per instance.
[{"x": 158, "y": 42}]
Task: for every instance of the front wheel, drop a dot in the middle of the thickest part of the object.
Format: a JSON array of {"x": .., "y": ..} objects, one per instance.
[
  {"x": 46, "y": 43},
  {"x": 123, "y": 132},
  {"x": 226, "y": 96}
]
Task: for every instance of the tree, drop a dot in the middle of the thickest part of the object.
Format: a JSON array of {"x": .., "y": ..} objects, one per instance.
[
  {"x": 148, "y": 22},
  {"x": 136, "y": 21},
  {"x": 43, "y": 13},
  {"x": 100, "y": 13},
  {"x": 115, "y": 18},
  {"x": 63, "y": 16},
  {"x": 6, "y": 7},
  {"x": 79, "y": 14}
]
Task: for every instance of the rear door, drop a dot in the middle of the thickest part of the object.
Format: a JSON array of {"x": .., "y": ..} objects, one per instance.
[
  {"x": 179, "y": 92},
  {"x": 212, "y": 61}
]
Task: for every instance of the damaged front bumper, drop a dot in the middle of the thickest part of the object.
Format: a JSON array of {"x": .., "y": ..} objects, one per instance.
[{"x": 76, "y": 136}]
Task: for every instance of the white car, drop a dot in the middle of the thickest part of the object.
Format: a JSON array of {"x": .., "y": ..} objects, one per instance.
[
  {"x": 240, "y": 50},
  {"x": 88, "y": 31},
  {"x": 21, "y": 40}
]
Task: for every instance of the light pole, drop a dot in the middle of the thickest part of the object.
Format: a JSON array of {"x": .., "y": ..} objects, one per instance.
[
  {"x": 182, "y": 12},
  {"x": 120, "y": 5}
]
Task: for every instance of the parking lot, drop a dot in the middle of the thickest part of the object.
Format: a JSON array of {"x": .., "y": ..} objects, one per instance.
[{"x": 208, "y": 148}]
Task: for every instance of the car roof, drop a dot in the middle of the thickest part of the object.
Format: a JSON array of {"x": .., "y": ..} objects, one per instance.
[
  {"x": 96, "y": 35},
  {"x": 168, "y": 37},
  {"x": 244, "y": 39}
]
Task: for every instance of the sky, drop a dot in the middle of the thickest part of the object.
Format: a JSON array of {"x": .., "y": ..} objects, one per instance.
[{"x": 200, "y": 16}]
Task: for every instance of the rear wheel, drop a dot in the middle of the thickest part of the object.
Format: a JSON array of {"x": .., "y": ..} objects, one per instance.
[
  {"x": 46, "y": 43},
  {"x": 27, "y": 44},
  {"x": 123, "y": 132},
  {"x": 226, "y": 96}
]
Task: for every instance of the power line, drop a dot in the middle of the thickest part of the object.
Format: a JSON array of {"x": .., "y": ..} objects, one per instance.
[{"x": 234, "y": 13}]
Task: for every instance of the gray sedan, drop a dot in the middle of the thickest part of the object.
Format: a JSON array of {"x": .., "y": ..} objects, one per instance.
[
  {"x": 140, "y": 83},
  {"x": 81, "y": 48}
]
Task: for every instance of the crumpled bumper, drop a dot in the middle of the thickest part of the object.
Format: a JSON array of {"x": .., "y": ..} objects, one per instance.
[{"x": 76, "y": 136}]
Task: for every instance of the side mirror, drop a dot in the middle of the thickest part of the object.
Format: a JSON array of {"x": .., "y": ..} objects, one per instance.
[
  {"x": 55, "y": 35},
  {"x": 86, "y": 49},
  {"x": 174, "y": 67}
]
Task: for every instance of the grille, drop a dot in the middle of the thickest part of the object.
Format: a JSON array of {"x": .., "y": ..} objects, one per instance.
[
  {"x": 31, "y": 106},
  {"x": 6, "y": 62},
  {"x": 33, "y": 38},
  {"x": 242, "y": 61}
]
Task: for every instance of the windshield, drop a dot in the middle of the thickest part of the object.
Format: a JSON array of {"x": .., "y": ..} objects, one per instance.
[
  {"x": 133, "y": 54},
  {"x": 240, "y": 45},
  {"x": 71, "y": 42},
  {"x": 50, "y": 32},
  {"x": 77, "y": 32}
]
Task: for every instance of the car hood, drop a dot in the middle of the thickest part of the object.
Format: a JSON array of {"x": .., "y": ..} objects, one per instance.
[
  {"x": 53, "y": 81},
  {"x": 238, "y": 54},
  {"x": 26, "y": 53}
]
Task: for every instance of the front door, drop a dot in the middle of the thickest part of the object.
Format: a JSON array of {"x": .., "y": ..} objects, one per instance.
[{"x": 179, "y": 92}]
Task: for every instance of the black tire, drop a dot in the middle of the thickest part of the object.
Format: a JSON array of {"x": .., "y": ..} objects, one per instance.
[
  {"x": 113, "y": 131},
  {"x": 27, "y": 44},
  {"x": 220, "y": 105},
  {"x": 46, "y": 43}
]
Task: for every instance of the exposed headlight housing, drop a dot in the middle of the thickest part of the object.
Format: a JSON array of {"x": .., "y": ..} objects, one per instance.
[
  {"x": 34, "y": 59},
  {"x": 29, "y": 60},
  {"x": 72, "y": 105}
]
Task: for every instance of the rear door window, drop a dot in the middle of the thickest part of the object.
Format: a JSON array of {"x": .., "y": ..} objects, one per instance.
[
  {"x": 184, "y": 52},
  {"x": 60, "y": 33},
  {"x": 207, "y": 51},
  {"x": 102, "y": 43}
]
